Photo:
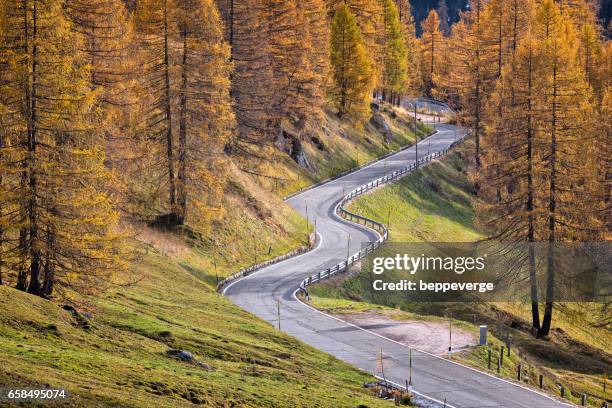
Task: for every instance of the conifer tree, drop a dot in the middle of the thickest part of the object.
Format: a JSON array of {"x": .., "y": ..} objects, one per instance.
[
  {"x": 66, "y": 229},
  {"x": 154, "y": 25},
  {"x": 251, "y": 92},
  {"x": 395, "y": 69},
  {"x": 315, "y": 14},
  {"x": 413, "y": 78},
  {"x": 567, "y": 106},
  {"x": 369, "y": 15},
  {"x": 430, "y": 45},
  {"x": 204, "y": 112},
  {"x": 468, "y": 83},
  {"x": 351, "y": 66},
  {"x": 188, "y": 80},
  {"x": 293, "y": 79},
  {"x": 535, "y": 184},
  {"x": 512, "y": 162}
]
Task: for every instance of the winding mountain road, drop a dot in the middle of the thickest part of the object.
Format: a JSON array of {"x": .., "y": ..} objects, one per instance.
[{"x": 433, "y": 377}]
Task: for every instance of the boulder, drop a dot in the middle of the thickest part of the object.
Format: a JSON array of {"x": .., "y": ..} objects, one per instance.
[
  {"x": 379, "y": 122},
  {"x": 187, "y": 357},
  {"x": 291, "y": 144}
]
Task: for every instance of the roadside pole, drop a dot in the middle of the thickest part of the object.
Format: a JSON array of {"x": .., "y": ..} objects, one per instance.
[
  {"x": 416, "y": 136},
  {"x": 278, "y": 313},
  {"x": 348, "y": 249},
  {"x": 450, "y": 334},
  {"x": 410, "y": 369}
]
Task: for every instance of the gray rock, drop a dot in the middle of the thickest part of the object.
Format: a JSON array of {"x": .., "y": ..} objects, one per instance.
[
  {"x": 181, "y": 355},
  {"x": 291, "y": 144},
  {"x": 379, "y": 122},
  {"x": 187, "y": 357}
]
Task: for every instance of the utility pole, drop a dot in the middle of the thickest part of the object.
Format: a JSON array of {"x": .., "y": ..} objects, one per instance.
[
  {"x": 348, "y": 249},
  {"x": 307, "y": 226},
  {"x": 450, "y": 333},
  {"x": 416, "y": 135},
  {"x": 410, "y": 369},
  {"x": 278, "y": 313}
]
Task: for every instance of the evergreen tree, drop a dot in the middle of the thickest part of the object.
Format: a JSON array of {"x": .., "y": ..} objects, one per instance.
[{"x": 351, "y": 66}]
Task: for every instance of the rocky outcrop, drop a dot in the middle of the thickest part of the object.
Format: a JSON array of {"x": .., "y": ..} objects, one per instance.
[
  {"x": 291, "y": 144},
  {"x": 379, "y": 122}
]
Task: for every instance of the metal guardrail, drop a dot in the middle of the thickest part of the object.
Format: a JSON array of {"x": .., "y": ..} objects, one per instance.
[
  {"x": 253, "y": 268},
  {"x": 370, "y": 223},
  {"x": 352, "y": 170}
]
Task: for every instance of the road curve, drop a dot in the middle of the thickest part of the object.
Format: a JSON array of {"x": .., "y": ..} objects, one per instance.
[{"x": 433, "y": 377}]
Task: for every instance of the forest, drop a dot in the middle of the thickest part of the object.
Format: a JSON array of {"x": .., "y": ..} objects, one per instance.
[{"x": 113, "y": 116}]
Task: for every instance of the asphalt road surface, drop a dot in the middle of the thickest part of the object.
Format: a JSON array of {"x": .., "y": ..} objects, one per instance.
[{"x": 432, "y": 376}]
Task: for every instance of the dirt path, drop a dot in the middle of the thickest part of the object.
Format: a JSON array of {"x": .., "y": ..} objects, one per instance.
[{"x": 423, "y": 335}]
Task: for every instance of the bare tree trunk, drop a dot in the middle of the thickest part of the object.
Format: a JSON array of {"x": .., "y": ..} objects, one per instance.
[
  {"x": 552, "y": 203},
  {"x": 182, "y": 148},
  {"x": 22, "y": 276},
  {"x": 169, "y": 141},
  {"x": 535, "y": 311},
  {"x": 49, "y": 269},
  {"x": 32, "y": 206}
]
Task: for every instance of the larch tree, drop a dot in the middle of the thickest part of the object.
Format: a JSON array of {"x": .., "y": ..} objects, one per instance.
[
  {"x": 64, "y": 226},
  {"x": 395, "y": 71},
  {"x": 315, "y": 14},
  {"x": 413, "y": 78},
  {"x": 189, "y": 118},
  {"x": 567, "y": 127},
  {"x": 293, "y": 79},
  {"x": 351, "y": 66},
  {"x": 430, "y": 45},
  {"x": 154, "y": 28},
  {"x": 205, "y": 117},
  {"x": 251, "y": 93},
  {"x": 369, "y": 15},
  {"x": 466, "y": 84},
  {"x": 511, "y": 170},
  {"x": 109, "y": 49}
]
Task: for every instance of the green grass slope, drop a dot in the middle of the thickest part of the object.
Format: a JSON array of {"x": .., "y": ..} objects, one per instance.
[
  {"x": 435, "y": 204},
  {"x": 117, "y": 356},
  {"x": 120, "y": 358}
]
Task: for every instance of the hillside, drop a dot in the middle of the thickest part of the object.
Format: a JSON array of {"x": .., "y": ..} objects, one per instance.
[
  {"x": 113, "y": 349},
  {"x": 435, "y": 204}
]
